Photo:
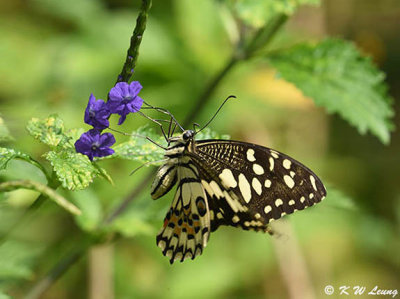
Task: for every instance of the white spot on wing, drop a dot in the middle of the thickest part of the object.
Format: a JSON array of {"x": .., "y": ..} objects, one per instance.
[
  {"x": 217, "y": 190},
  {"x": 267, "y": 183},
  {"x": 278, "y": 202},
  {"x": 235, "y": 219},
  {"x": 274, "y": 154},
  {"x": 257, "y": 215},
  {"x": 227, "y": 178},
  {"x": 291, "y": 202},
  {"x": 271, "y": 163},
  {"x": 312, "y": 179},
  {"x": 289, "y": 181},
  {"x": 292, "y": 174},
  {"x": 250, "y": 155},
  {"x": 302, "y": 199},
  {"x": 244, "y": 187},
  {"x": 256, "y": 185},
  {"x": 258, "y": 169},
  {"x": 267, "y": 209},
  {"x": 286, "y": 163},
  {"x": 311, "y": 195}
]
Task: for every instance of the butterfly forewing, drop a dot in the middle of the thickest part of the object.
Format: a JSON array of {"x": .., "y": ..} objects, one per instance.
[
  {"x": 252, "y": 185},
  {"x": 223, "y": 182}
]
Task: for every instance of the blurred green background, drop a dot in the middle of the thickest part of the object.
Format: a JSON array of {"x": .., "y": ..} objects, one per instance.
[{"x": 55, "y": 53}]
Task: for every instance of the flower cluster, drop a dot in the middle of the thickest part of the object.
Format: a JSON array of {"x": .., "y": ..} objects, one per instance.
[{"x": 123, "y": 99}]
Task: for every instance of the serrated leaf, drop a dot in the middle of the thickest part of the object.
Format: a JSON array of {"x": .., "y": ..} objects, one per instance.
[
  {"x": 74, "y": 171},
  {"x": 49, "y": 131},
  {"x": 141, "y": 150},
  {"x": 336, "y": 76},
  {"x": 256, "y": 13},
  {"x": 7, "y": 154},
  {"x": 103, "y": 173},
  {"x": 74, "y": 134},
  {"x": 4, "y": 132},
  {"x": 90, "y": 206}
]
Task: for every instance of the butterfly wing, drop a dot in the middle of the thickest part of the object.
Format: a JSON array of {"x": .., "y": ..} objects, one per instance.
[
  {"x": 249, "y": 185},
  {"x": 186, "y": 226}
]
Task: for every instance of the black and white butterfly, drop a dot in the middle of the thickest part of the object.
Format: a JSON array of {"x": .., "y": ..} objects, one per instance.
[{"x": 225, "y": 182}]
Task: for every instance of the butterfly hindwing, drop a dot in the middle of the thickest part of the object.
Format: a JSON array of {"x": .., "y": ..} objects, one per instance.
[
  {"x": 186, "y": 226},
  {"x": 252, "y": 185}
]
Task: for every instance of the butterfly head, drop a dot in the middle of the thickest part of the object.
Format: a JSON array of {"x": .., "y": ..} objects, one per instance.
[{"x": 187, "y": 135}]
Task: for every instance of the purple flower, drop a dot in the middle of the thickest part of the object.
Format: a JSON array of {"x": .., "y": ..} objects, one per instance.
[
  {"x": 97, "y": 113},
  {"x": 124, "y": 99},
  {"x": 94, "y": 144}
]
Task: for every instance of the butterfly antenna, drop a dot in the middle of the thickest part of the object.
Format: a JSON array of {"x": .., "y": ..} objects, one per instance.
[
  {"x": 140, "y": 136},
  {"x": 215, "y": 114},
  {"x": 165, "y": 111},
  {"x": 157, "y": 121}
]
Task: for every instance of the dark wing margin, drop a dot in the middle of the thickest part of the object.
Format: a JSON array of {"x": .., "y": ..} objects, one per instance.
[{"x": 248, "y": 185}]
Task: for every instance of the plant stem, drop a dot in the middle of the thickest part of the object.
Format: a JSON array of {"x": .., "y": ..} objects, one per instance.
[
  {"x": 264, "y": 35},
  {"x": 136, "y": 39}
]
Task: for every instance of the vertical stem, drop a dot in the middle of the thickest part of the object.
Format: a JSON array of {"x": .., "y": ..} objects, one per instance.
[
  {"x": 291, "y": 262},
  {"x": 101, "y": 284},
  {"x": 136, "y": 39}
]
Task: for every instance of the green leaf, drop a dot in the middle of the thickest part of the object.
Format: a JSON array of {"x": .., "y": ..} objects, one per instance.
[
  {"x": 4, "y": 132},
  {"x": 103, "y": 173},
  {"x": 7, "y": 154},
  {"x": 336, "y": 76},
  {"x": 90, "y": 206},
  {"x": 141, "y": 150},
  {"x": 49, "y": 131},
  {"x": 74, "y": 171},
  {"x": 17, "y": 259},
  {"x": 256, "y": 13}
]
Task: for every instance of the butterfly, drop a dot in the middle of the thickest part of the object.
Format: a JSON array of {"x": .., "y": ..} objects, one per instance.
[{"x": 226, "y": 182}]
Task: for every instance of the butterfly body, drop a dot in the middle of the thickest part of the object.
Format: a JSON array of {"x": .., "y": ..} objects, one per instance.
[{"x": 225, "y": 182}]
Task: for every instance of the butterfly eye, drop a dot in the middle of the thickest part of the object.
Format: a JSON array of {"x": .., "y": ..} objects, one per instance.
[{"x": 187, "y": 135}]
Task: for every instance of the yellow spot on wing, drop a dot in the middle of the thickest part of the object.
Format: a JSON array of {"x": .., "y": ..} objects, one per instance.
[
  {"x": 227, "y": 179},
  {"x": 250, "y": 155},
  {"x": 289, "y": 181},
  {"x": 244, "y": 187},
  {"x": 258, "y": 169}
]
